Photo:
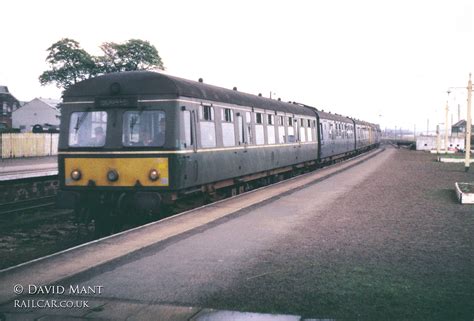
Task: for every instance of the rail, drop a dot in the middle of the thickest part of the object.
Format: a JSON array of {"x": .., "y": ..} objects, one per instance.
[{"x": 27, "y": 205}]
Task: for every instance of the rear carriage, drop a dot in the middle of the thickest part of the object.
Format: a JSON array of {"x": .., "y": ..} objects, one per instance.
[{"x": 337, "y": 136}]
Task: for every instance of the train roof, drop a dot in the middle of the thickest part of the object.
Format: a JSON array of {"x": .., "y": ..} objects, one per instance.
[
  {"x": 365, "y": 123},
  {"x": 141, "y": 83},
  {"x": 326, "y": 115}
]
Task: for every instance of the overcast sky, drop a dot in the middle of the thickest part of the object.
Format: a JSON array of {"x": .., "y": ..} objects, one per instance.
[{"x": 389, "y": 62}]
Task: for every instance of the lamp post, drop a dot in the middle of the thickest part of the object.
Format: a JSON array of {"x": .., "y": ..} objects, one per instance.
[
  {"x": 467, "y": 159},
  {"x": 446, "y": 125},
  {"x": 437, "y": 140}
]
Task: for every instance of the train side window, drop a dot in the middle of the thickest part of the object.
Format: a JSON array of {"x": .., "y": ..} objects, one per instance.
[
  {"x": 248, "y": 120},
  {"x": 188, "y": 138},
  {"x": 228, "y": 131},
  {"x": 207, "y": 126},
  {"x": 259, "y": 135},
  {"x": 270, "y": 119},
  {"x": 281, "y": 130},
  {"x": 271, "y": 129},
  {"x": 281, "y": 121},
  {"x": 227, "y": 115},
  {"x": 206, "y": 113},
  {"x": 291, "y": 131},
  {"x": 321, "y": 131},
  {"x": 309, "y": 131},
  {"x": 302, "y": 133}
]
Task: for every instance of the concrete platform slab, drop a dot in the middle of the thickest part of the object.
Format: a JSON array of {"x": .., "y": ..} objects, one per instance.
[{"x": 21, "y": 168}]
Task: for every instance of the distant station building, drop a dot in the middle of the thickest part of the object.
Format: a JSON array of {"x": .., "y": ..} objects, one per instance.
[
  {"x": 39, "y": 111},
  {"x": 459, "y": 129},
  {"x": 8, "y": 103},
  {"x": 456, "y": 139}
]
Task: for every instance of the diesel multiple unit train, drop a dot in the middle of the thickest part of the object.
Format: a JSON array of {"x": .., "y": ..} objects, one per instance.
[{"x": 133, "y": 141}]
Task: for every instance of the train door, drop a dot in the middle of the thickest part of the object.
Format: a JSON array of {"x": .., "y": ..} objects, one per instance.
[
  {"x": 322, "y": 135},
  {"x": 332, "y": 134},
  {"x": 192, "y": 162}
]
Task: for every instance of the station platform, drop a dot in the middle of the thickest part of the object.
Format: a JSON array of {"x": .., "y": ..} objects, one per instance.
[
  {"x": 28, "y": 167},
  {"x": 379, "y": 237}
]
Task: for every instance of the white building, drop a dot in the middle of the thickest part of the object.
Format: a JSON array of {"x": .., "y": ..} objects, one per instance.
[
  {"x": 38, "y": 111},
  {"x": 430, "y": 142}
]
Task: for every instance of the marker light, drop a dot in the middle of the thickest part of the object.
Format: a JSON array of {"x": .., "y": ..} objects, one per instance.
[
  {"x": 112, "y": 175},
  {"x": 76, "y": 175},
  {"x": 154, "y": 175}
]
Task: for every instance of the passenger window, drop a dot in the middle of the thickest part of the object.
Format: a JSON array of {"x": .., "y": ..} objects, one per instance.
[
  {"x": 228, "y": 133},
  {"x": 227, "y": 115},
  {"x": 259, "y": 135},
  {"x": 270, "y": 120},
  {"x": 309, "y": 131},
  {"x": 302, "y": 133},
  {"x": 258, "y": 118},
  {"x": 321, "y": 131},
  {"x": 280, "y": 121},
  {"x": 207, "y": 126},
  {"x": 281, "y": 130},
  {"x": 271, "y": 129},
  {"x": 144, "y": 128},
  {"x": 206, "y": 113},
  {"x": 291, "y": 131}
]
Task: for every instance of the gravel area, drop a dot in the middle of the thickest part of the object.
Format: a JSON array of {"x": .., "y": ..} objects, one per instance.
[
  {"x": 27, "y": 236},
  {"x": 397, "y": 247}
]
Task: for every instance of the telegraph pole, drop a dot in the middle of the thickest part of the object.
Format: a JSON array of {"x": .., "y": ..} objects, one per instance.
[
  {"x": 467, "y": 160},
  {"x": 446, "y": 126},
  {"x": 437, "y": 139}
]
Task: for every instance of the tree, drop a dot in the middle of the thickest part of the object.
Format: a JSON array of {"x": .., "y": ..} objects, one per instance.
[
  {"x": 135, "y": 54},
  {"x": 69, "y": 63}
]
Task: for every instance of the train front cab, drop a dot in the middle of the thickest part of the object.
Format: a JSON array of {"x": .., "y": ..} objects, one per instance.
[{"x": 116, "y": 158}]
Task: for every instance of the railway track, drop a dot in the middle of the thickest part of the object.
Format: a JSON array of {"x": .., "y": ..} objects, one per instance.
[{"x": 27, "y": 205}]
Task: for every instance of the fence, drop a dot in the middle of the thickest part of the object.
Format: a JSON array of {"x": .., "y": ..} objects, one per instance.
[{"x": 28, "y": 145}]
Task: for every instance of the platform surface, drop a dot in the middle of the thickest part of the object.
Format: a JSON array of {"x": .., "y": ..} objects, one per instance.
[
  {"x": 28, "y": 167},
  {"x": 385, "y": 239}
]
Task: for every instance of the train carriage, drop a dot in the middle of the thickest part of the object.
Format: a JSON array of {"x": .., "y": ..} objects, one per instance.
[{"x": 137, "y": 139}]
